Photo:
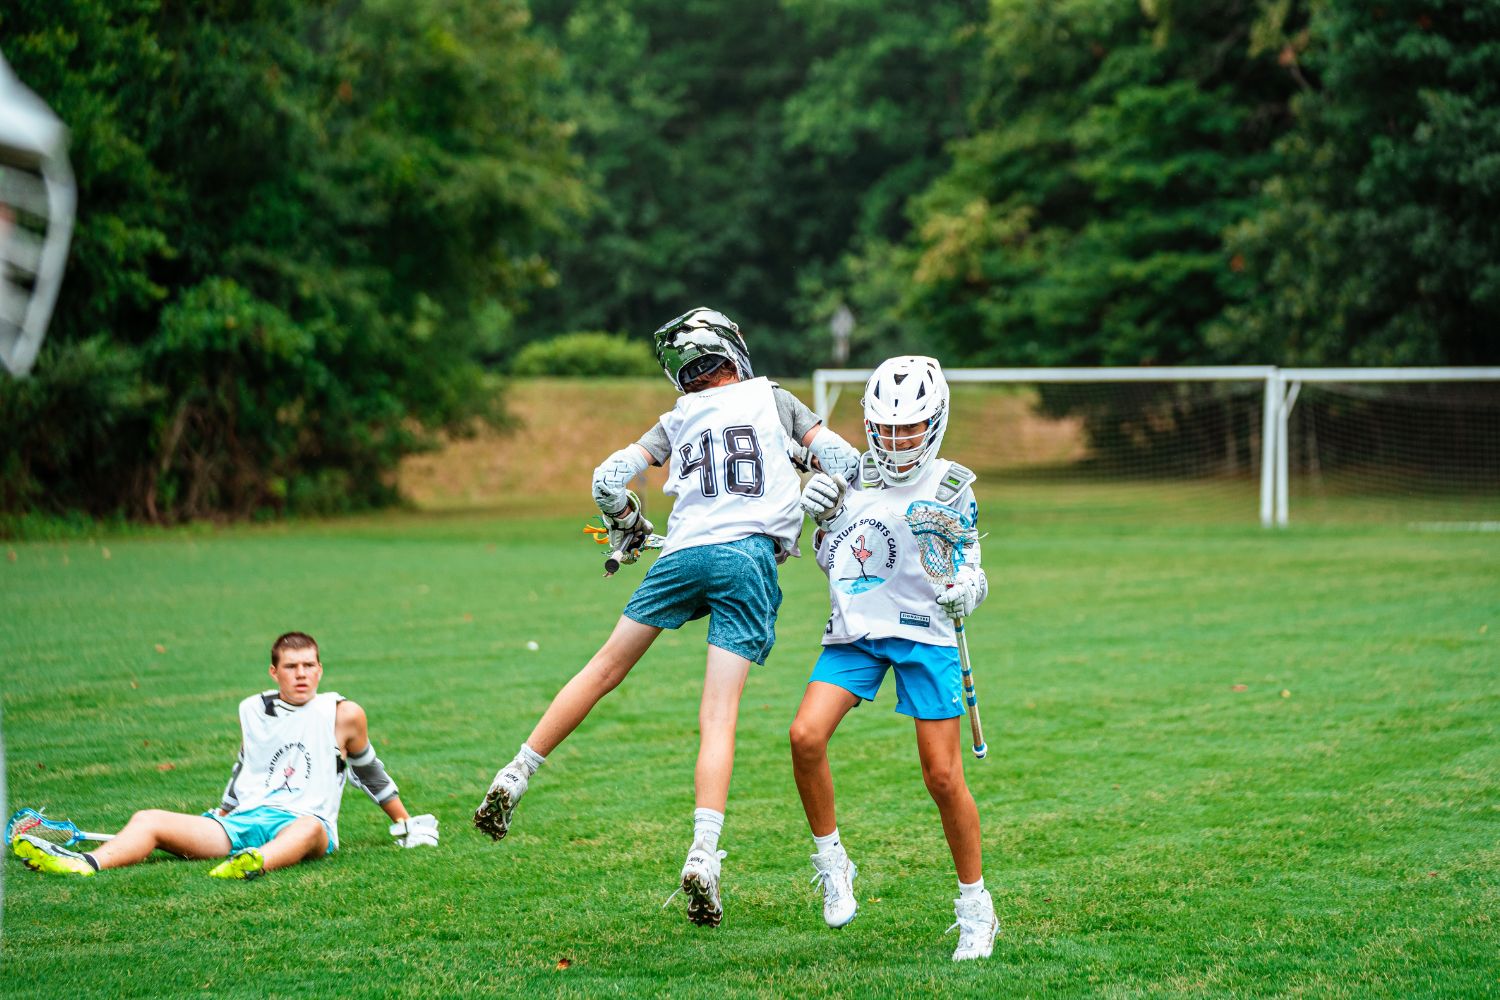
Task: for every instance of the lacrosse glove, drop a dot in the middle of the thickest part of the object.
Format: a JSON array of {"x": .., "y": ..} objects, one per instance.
[
  {"x": 823, "y": 499},
  {"x": 418, "y": 831},
  {"x": 628, "y": 529},
  {"x": 968, "y": 591}
]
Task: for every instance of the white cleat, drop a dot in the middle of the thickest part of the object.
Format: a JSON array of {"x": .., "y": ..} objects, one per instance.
[
  {"x": 836, "y": 872},
  {"x": 494, "y": 813},
  {"x": 700, "y": 880},
  {"x": 977, "y": 927}
]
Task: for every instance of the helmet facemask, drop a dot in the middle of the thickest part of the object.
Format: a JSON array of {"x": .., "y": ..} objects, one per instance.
[{"x": 902, "y": 393}]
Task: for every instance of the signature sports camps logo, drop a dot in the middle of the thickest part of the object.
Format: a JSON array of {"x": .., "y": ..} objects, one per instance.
[
  {"x": 865, "y": 562},
  {"x": 285, "y": 764}
]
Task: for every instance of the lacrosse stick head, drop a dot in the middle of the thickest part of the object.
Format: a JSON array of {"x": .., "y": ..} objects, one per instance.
[
  {"x": 942, "y": 534},
  {"x": 37, "y": 199},
  {"x": 33, "y": 823}
]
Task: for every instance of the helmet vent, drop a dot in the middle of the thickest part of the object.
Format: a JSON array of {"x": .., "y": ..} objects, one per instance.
[
  {"x": 900, "y": 378},
  {"x": 921, "y": 390}
]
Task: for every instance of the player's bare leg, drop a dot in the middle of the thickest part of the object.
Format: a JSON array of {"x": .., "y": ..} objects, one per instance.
[
  {"x": 718, "y": 715},
  {"x": 304, "y": 837},
  {"x": 178, "y": 833},
  {"x": 939, "y": 745},
  {"x": 601, "y": 675},
  {"x": 823, "y": 708}
]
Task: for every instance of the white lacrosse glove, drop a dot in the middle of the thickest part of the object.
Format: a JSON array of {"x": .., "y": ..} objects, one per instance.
[
  {"x": 628, "y": 529},
  {"x": 967, "y": 593},
  {"x": 613, "y": 476},
  {"x": 823, "y": 498},
  {"x": 417, "y": 831}
]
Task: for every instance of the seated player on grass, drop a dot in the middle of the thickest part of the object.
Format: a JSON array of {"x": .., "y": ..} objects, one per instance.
[
  {"x": 736, "y": 517},
  {"x": 281, "y": 805},
  {"x": 886, "y": 614}
]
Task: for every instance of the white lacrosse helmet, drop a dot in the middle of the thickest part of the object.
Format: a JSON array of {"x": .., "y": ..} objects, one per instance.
[{"x": 905, "y": 391}]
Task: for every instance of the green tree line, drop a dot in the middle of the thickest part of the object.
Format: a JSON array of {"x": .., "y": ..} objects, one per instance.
[{"x": 311, "y": 233}]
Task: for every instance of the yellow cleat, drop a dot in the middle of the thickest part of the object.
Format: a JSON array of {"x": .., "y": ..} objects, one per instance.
[
  {"x": 241, "y": 864},
  {"x": 41, "y": 856}
]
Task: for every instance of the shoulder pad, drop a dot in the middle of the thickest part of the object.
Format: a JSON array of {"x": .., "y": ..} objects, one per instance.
[
  {"x": 869, "y": 473},
  {"x": 953, "y": 482}
]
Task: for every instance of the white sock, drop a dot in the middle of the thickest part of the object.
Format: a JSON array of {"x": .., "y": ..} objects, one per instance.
[
  {"x": 707, "y": 825},
  {"x": 971, "y": 890},
  {"x": 528, "y": 759},
  {"x": 828, "y": 842}
]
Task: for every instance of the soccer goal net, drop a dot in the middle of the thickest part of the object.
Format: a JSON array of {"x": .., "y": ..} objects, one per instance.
[{"x": 1239, "y": 443}]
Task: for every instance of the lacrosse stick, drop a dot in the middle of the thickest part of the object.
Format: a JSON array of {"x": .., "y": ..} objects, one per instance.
[
  {"x": 941, "y": 534},
  {"x": 640, "y": 542},
  {"x": 54, "y": 831}
]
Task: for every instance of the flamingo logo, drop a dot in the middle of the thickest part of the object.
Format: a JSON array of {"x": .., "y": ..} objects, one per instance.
[
  {"x": 861, "y": 550},
  {"x": 861, "y": 554}
]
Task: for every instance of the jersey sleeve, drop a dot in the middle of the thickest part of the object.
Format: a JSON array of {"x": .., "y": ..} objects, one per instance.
[
  {"x": 656, "y": 443},
  {"x": 796, "y": 418}
]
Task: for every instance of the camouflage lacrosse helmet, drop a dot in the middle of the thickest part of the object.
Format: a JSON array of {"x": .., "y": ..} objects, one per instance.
[{"x": 697, "y": 342}]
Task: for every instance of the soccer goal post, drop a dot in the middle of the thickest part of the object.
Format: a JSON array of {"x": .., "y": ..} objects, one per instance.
[{"x": 1223, "y": 441}]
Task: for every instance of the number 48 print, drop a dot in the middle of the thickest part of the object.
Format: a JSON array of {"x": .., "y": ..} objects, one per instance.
[{"x": 744, "y": 472}]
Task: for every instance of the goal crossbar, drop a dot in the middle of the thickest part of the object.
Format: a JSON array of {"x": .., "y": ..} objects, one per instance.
[{"x": 1282, "y": 386}]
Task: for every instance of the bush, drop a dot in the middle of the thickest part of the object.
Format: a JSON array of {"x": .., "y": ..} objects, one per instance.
[{"x": 588, "y": 354}]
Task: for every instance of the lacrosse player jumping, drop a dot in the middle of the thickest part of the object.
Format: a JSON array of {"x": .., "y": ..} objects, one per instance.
[
  {"x": 886, "y": 613},
  {"x": 736, "y": 517},
  {"x": 281, "y": 805}
]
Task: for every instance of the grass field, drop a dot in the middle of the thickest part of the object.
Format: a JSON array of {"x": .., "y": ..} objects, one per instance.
[{"x": 1225, "y": 762}]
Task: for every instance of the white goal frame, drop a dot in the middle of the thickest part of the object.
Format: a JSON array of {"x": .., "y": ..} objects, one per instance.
[{"x": 1281, "y": 388}]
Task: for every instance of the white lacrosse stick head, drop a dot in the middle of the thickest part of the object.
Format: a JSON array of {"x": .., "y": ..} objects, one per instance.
[
  {"x": 37, "y": 200},
  {"x": 942, "y": 534}
]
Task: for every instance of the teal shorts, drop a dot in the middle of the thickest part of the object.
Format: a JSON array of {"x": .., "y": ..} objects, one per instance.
[
  {"x": 733, "y": 582},
  {"x": 257, "y": 827},
  {"x": 929, "y": 679}
]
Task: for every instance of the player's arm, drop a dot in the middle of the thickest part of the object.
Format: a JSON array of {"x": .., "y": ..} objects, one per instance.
[
  {"x": 829, "y": 451},
  {"x": 367, "y": 771},
  {"x": 621, "y": 509}
]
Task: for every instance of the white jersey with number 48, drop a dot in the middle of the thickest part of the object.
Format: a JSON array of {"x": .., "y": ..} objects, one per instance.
[{"x": 729, "y": 469}]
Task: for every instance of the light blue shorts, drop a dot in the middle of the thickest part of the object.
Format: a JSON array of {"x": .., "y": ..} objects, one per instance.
[
  {"x": 929, "y": 680},
  {"x": 734, "y": 582},
  {"x": 257, "y": 827}
]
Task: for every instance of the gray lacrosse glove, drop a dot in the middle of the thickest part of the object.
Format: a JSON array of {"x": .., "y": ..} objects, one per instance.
[
  {"x": 417, "y": 831},
  {"x": 967, "y": 593},
  {"x": 823, "y": 498},
  {"x": 628, "y": 529}
]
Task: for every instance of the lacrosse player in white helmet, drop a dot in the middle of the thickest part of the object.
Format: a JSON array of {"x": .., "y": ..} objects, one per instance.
[
  {"x": 736, "y": 517},
  {"x": 887, "y": 614},
  {"x": 298, "y": 746}
]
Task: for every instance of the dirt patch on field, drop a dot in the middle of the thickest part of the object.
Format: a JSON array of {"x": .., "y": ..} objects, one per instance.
[{"x": 564, "y": 427}]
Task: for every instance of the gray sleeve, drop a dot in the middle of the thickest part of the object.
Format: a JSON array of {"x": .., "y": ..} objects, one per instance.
[
  {"x": 796, "y": 418},
  {"x": 656, "y": 444}
]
